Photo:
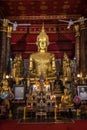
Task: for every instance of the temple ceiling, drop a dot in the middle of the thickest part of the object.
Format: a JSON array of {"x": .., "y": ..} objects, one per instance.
[{"x": 36, "y": 12}]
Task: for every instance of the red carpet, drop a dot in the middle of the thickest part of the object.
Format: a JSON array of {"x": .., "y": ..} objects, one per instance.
[{"x": 14, "y": 125}]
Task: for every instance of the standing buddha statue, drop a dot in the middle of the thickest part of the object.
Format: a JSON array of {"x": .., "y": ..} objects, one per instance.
[
  {"x": 17, "y": 68},
  {"x": 66, "y": 66}
]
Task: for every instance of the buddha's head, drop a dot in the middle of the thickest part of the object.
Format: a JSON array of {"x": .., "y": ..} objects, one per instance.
[
  {"x": 42, "y": 40},
  {"x": 65, "y": 91},
  {"x": 65, "y": 55},
  {"x": 5, "y": 82}
]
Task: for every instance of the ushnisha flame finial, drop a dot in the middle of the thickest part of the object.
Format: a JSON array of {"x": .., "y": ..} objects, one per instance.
[{"x": 43, "y": 35}]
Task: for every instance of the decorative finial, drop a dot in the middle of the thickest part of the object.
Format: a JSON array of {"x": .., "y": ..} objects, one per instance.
[{"x": 43, "y": 28}]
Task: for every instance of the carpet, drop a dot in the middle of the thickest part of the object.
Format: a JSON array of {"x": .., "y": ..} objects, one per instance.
[
  {"x": 42, "y": 120},
  {"x": 14, "y": 125}
]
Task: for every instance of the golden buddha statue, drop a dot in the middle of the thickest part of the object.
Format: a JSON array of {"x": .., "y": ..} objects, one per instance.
[
  {"x": 42, "y": 63},
  {"x": 6, "y": 93},
  {"x": 66, "y": 99},
  {"x": 17, "y": 68},
  {"x": 17, "y": 65},
  {"x": 66, "y": 66}
]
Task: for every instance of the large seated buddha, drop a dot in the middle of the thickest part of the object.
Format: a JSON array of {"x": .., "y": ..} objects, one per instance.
[{"x": 42, "y": 63}]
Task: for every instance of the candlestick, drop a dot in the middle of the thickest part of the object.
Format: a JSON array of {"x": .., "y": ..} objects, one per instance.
[
  {"x": 24, "y": 116},
  {"x": 55, "y": 112}
]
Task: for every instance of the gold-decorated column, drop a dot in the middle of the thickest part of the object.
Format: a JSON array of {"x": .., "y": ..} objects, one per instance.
[
  {"x": 77, "y": 46},
  {"x": 83, "y": 47},
  {"x": 8, "y": 48},
  {"x": 3, "y": 40}
]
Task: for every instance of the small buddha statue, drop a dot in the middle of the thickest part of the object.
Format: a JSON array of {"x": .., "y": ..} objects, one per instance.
[
  {"x": 6, "y": 93},
  {"x": 17, "y": 67},
  {"x": 5, "y": 85},
  {"x": 42, "y": 63},
  {"x": 66, "y": 66},
  {"x": 66, "y": 99}
]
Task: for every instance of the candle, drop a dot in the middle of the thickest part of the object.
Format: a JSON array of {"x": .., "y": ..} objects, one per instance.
[
  {"x": 24, "y": 113},
  {"x": 55, "y": 110}
]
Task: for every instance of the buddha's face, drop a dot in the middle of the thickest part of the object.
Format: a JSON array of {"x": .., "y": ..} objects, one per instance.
[
  {"x": 65, "y": 91},
  {"x": 65, "y": 56},
  {"x": 42, "y": 43}
]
